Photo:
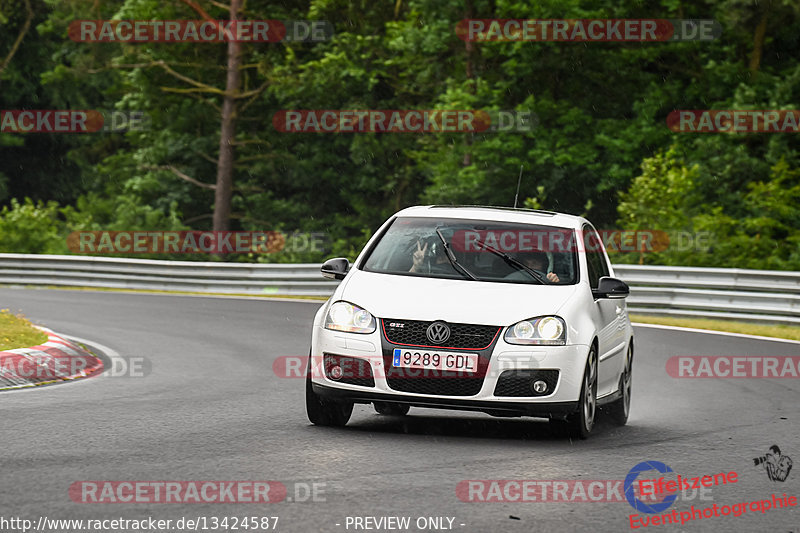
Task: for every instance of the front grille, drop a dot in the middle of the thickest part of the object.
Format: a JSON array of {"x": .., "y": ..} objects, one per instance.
[
  {"x": 445, "y": 383},
  {"x": 520, "y": 382},
  {"x": 462, "y": 336},
  {"x": 355, "y": 371}
]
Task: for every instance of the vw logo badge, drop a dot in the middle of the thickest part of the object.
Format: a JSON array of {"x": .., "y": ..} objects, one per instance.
[{"x": 438, "y": 332}]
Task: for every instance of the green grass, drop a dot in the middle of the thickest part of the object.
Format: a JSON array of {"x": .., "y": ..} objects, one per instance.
[
  {"x": 764, "y": 330},
  {"x": 17, "y": 332}
]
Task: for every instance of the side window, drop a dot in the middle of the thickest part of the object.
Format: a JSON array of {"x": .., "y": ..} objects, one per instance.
[
  {"x": 601, "y": 258},
  {"x": 595, "y": 261}
]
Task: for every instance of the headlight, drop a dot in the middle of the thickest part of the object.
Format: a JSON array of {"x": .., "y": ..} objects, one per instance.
[
  {"x": 344, "y": 316},
  {"x": 544, "y": 330}
]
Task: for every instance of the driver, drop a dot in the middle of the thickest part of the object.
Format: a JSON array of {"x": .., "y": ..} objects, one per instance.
[{"x": 538, "y": 261}]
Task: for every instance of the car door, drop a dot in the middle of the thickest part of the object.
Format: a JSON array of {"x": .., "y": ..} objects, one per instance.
[{"x": 606, "y": 315}]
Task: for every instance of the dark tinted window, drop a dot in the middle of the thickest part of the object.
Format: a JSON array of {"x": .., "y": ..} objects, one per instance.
[
  {"x": 542, "y": 248},
  {"x": 595, "y": 260}
]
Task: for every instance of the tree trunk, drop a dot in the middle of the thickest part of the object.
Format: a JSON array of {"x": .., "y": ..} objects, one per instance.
[
  {"x": 470, "y": 79},
  {"x": 22, "y": 32},
  {"x": 758, "y": 42},
  {"x": 222, "y": 195}
]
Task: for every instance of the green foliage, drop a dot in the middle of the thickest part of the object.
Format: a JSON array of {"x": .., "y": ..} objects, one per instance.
[
  {"x": 765, "y": 236},
  {"x": 660, "y": 196},
  {"x": 768, "y": 237},
  {"x": 31, "y": 228},
  {"x": 600, "y": 147}
]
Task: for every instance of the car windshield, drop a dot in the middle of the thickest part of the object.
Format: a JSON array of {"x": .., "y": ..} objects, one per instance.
[{"x": 484, "y": 250}]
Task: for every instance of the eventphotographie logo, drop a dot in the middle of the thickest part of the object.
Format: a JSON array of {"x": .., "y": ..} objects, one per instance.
[{"x": 630, "y": 485}]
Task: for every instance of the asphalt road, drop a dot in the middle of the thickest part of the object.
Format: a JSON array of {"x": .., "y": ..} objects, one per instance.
[{"x": 211, "y": 408}]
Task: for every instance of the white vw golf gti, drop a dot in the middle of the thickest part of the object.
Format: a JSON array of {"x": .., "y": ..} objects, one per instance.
[{"x": 512, "y": 312}]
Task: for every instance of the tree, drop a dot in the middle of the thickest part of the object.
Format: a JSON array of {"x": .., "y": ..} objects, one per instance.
[
  {"x": 659, "y": 199},
  {"x": 23, "y": 31}
]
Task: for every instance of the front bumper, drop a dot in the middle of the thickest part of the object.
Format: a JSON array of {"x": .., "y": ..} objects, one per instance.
[
  {"x": 569, "y": 361},
  {"x": 496, "y": 407}
]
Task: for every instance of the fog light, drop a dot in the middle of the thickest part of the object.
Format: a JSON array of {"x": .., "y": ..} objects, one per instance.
[
  {"x": 539, "y": 387},
  {"x": 336, "y": 372}
]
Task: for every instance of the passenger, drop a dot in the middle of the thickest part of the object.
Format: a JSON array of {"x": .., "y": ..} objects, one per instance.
[{"x": 430, "y": 262}]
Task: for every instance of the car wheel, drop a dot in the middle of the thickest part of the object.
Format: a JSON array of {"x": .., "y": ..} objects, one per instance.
[
  {"x": 580, "y": 424},
  {"x": 620, "y": 409},
  {"x": 322, "y": 412},
  {"x": 392, "y": 409}
]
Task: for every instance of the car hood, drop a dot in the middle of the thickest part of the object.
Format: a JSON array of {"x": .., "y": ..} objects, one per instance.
[{"x": 451, "y": 300}]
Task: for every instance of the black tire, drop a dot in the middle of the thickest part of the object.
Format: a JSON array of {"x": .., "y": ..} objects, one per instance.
[
  {"x": 621, "y": 408},
  {"x": 322, "y": 412},
  {"x": 580, "y": 424},
  {"x": 391, "y": 409}
]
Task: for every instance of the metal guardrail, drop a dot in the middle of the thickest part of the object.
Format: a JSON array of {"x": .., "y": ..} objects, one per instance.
[
  {"x": 146, "y": 274},
  {"x": 750, "y": 295}
]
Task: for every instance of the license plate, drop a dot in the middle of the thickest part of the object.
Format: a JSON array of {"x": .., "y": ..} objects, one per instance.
[{"x": 427, "y": 360}]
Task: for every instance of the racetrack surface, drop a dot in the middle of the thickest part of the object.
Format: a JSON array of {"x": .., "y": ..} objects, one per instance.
[{"x": 211, "y": 408}]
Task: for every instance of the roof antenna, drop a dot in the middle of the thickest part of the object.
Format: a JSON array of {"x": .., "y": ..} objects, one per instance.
[{"x": 519, "y": 180}]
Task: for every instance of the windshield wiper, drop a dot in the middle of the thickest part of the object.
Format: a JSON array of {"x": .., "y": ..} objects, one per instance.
[
  {"x": 453, "y": 260},
  {"x": 510, "y": 260}
]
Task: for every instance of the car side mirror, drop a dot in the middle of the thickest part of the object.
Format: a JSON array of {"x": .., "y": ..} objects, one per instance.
[
  {"x": 611, "y": 288},
  {"x": 336, "y": 268}
]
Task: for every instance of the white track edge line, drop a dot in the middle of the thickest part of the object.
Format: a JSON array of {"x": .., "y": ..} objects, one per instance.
[
  {"x": 193, "y": 295},
  {"x": 109, "y": 352},
  {"x": 714, "y": 332}
]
